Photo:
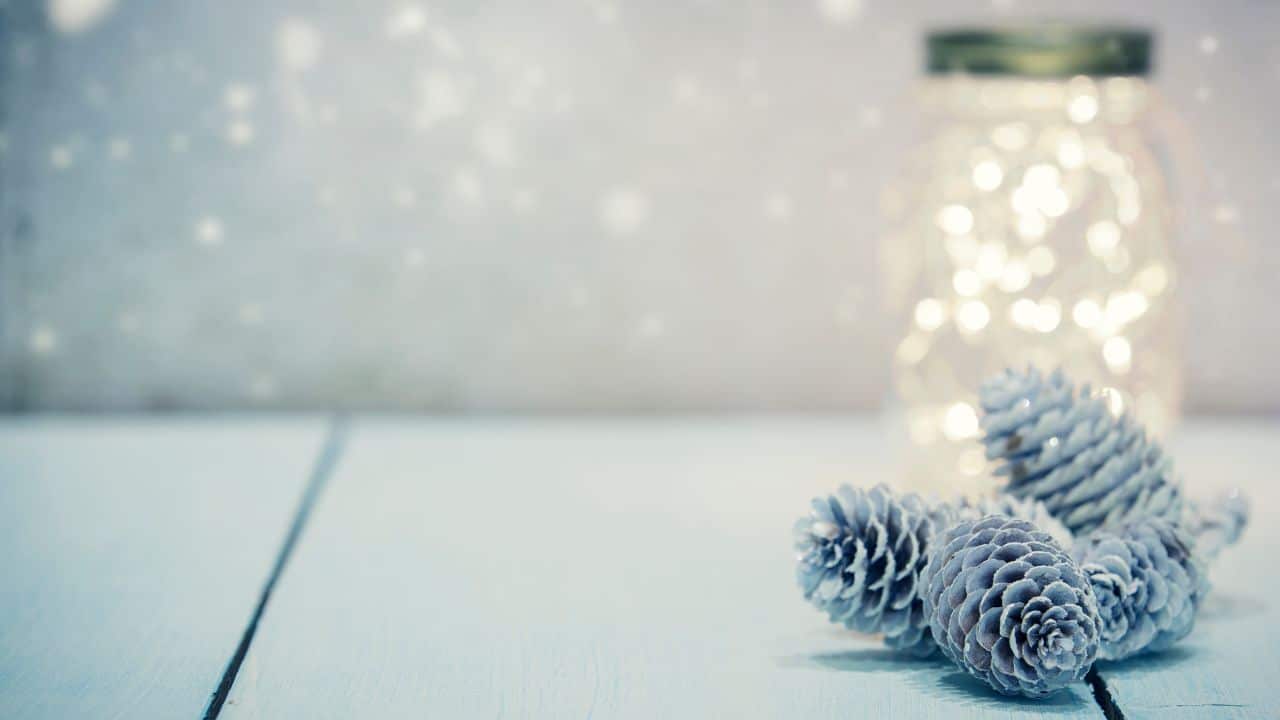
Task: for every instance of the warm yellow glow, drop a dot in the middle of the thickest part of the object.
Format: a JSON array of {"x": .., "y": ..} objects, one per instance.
[
  {"x": 1016, "y": 276},
  {"x": 1032, "y": 226},
  {"x": 990, "y": 261},
  {"x": 966, "y": 282},
  {"x": 987, "y": 175},
  {"x": 1041, "y": 260},
  {"x": 1012, "y": 136},
  {"x": 930, "y": 314},
  {"x": 1103, "y": 237},
  {"x": 1023, "y": 312},
  {"x": 1086, "y": 313},
  {"x": 955, "y": 219},
  {"x": 973, "y": 316},
  {"x": 1152, "y": 280},
  {"x": 1071, "y": 152},
  {"x": 912, "y": 349},
  {"x": 1041, "y": 175},
  {"x": 1082, "y": 109},
  {"x": 1125, "y": 307},
  {"x": 960, "y": 422},
  {"x": 1048, "y": 315},
  {"x": 1117, "y": 353}
]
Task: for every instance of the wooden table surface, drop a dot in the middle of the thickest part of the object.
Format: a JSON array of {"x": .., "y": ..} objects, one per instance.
[{"x": 545, "y": 568}]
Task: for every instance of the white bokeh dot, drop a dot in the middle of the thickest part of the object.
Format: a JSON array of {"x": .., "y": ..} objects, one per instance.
[
  {"x": 43, "y": 340},
  {"x": 298, "y": 44},
  {"x": 623, "y": 210},
  {"x": 840, "y": 11},
  {"x": 209, "y": 231}
]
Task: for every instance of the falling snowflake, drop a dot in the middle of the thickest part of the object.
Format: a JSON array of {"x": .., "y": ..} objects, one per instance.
[
  {"x": 406, "y": 20},
  {"x": 778, "y": 207},
  {"x": 494, "y": 144},
  {"x": 43, "y": 340},
  {"x": 209, "y": 231},
  {"x": 76, "y": 16},
  {"x": 623, "y": 210},
  {"x": 840, "y": 11},
  {"x": 298, "y": 44},
  {"x": 120, "y": 149},
  {"x": 60, "y": 157},
  {"x": 239, "y": 132},
  {"x": 238, "y": 97}
]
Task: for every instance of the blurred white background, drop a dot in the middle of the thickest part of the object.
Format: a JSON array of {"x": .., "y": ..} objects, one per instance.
[{"x": 473, "y": 205}]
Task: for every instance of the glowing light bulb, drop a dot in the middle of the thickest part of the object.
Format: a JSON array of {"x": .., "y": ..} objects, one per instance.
[
  {"x": 960, "y": 421},
  {"x": 1032, "y": 226},
  {"x": 1048, "y": 315},
  {"x": 1086, "y": 313},
  {"x": 1082, "y": 109},
  {"x": 1023, "y": 312},
  {"x": 1041, "y": 260},
  {"x": 1016, "y": 276},
  {"x": 1103, "y": 237},
  {"x": 990, "y": 261},
  {"x": 955, "y": 219},
  {"x": 930, "y": 314},
  {"x": 966, "y": 282},
  {"x": 987, "y": 175},
  {"x": 1117, "y": 353},
  {"x": 973, "y": 316},
  {"x": 1152, "y": 280}
]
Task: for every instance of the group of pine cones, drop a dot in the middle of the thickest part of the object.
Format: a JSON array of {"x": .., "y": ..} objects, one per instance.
[{"x": 1090, "y": 551}]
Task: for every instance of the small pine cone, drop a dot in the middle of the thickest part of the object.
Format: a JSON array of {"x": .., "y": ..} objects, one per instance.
[
  {"x": 1028, "y": 509},
  {"x": 1009, "y": 606},
  {"x": 860, "y": 552},
  {"x": 1148, "y": 584},
  {"x": 1217, "y": 523},
  {"x": 1089, "y": 467}
]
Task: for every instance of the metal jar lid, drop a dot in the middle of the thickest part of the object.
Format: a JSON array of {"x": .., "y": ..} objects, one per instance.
[{"x": 1040, "y": 51}]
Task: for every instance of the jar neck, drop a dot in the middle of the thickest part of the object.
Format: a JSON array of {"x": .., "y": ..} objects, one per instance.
[{"x": 1081, "y": 99}]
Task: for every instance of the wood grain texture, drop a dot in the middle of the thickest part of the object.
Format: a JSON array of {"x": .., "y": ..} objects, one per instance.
[
  {"x": 133, "y": 553},
  {"x": 602, "y": 569},
  {"x": 1228, "y": 667}
]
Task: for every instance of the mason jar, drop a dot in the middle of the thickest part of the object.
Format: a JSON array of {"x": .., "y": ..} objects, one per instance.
[{"x": 1032, "y": 227}]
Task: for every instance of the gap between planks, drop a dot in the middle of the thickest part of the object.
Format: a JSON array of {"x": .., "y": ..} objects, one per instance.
[{"x": 326, "y": 461}]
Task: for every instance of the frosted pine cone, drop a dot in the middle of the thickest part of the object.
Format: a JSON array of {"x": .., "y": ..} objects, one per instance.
[
  {"x": 1008, "y": 606},
  {"x": 1089, "y": 467},
  {"x": 859, "y": 555},
  {"x": 1147, "y": 582},
  {"x": 1217, "y": 523},
  {"x": 1028, "y": 509}
]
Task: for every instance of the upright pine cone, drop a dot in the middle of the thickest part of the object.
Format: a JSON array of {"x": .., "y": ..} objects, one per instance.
[
  {"x": 1147, "y": 582},
  {"x": 1008, "y": 606},
  {"x": 859, "y": 555},
  {"x": 1088, "y": 467}
]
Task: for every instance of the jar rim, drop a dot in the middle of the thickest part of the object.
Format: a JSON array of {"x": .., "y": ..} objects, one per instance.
[{"x": 1041, "y": 50}]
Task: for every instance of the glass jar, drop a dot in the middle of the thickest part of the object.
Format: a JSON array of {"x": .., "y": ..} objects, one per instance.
[{"x": 1032, "y": 228}]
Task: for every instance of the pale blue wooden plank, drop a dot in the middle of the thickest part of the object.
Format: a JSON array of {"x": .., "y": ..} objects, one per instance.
[
  {"x": 1228, "y": 667},
  {"x": 604, "y": 569},
  {"x": 133, "y": 554}
]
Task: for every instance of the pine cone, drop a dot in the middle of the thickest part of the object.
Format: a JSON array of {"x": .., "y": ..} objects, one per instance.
[
  {"x": 1217, "y": 523},
  {"x": 859, "y": 555},
  {"x": 1028, "y": 509},
  {"x": 1087, "y": 466},
  {"x": 1147, "y": 582},
  {"x": 1008, "y": 606}
]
